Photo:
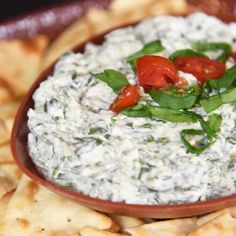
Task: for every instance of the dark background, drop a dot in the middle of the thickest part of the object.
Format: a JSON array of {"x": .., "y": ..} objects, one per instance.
[{"x": 11, "y": 8}]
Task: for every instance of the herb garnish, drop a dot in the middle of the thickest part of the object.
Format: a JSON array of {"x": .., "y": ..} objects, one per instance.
[
  {"x": 173, "y": 99},
  {"x": 213, "y": 46},
  {"x": 173, "y": 103},
  {"x": 150, "y": 48},
  {"x": 114, "y": 79},
  {"x": 185, "y": 52}
]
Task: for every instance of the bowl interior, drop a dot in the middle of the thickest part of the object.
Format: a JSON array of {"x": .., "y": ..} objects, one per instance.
[{"x": 23, "y": 160}]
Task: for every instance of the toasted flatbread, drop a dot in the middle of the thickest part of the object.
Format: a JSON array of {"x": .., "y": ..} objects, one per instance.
[
  {"x": 8, "y": 110},
  {"x": 120, "y": 12},
  {"x": 126, "y": 221},
  {"x": 4, "y": 134},
  {"x": 4, "y": 202},
  {"x": 89, "y": 231},
  {"x": 11, "y": 172},
  {"x": 222, "y": 225},
  {"x": 34, "y": 210},
  {"x": 19, "y": 65},
  {"x": 6, "y": 186},
  {"x": 5, "y": 153},
  {"x": 9, "y": 178},
  {"x": 178, "y": 227}
]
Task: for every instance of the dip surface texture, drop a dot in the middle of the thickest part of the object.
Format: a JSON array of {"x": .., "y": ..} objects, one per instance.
[{"x": 76, "y": 141}]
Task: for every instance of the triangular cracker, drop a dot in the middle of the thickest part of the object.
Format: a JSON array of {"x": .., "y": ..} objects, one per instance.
[
  {"x": 89, "y": 231},
  {"x": 5, "y": 153},
  {"x": 34, "y": 210},
  {"x": 223, "y": 225},
  {"x": 178, "y": 227},
  {"x": 126, "y": 221},
  {"x": 19, "y": 64}
]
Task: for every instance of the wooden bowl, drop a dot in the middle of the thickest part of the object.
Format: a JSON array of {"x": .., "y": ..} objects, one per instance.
[{"x": 23, "y": 160}]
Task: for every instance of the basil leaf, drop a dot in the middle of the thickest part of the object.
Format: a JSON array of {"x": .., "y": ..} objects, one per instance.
[
  {"x": 113, "y": 79},
  {"x": 139, "y": 110},
  {"x": 172, "y": 99},
  {"x": 214, "y": 122},
  {"x": 201, "y": 145},
  {"x": 226, "y": 80},
  {"x": 208, "y": 134},
  {"x": 206, "y": 46},
  {"x": 213, "y": 102},
  {"x": 150, "y": 48},
  {"x": 185, "y": 52},
  {"x": 172, "y": 115}
]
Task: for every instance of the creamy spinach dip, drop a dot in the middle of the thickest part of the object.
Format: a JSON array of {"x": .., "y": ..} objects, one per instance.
[{"x": 77, "y": 142}]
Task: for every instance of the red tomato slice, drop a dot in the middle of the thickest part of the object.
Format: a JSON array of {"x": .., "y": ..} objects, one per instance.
[
  {"x": 157, "y": 72},
  {"x": 128, "y": 96},
  {"x": 201, "y": 68}
]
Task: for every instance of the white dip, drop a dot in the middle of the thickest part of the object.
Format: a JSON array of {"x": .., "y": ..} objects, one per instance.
[{"x": 75, "y": 141}]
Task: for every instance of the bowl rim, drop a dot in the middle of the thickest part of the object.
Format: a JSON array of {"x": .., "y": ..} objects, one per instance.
[{"x": 124, "y": 208}]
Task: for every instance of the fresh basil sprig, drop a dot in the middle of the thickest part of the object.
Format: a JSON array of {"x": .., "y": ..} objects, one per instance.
[
  {"x": 172, "y": 115},
  {"x": 199, "y": 146},
  {"x": 113, "y": 79},
  {"x": 226, "y": 80},
  {"x": 207, "y": 134},
  {"x": 176, "y": 100},
  {"x": 213, "y": 102},
  {"x": 139, "y": 110},
  {"x": 185, "y": 52},
  {"x": 150, "y": 48},
  {"x": 162, "y": 113},
  {"x": 208, "y": 131},
  {"x": 213, "y": 46}
]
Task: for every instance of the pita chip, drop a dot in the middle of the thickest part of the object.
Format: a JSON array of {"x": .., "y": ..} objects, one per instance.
[
  {"x": 223, "y": 225},
  {"x": 11, "y": 172},
  {"x": 5, "y": 153},
  {"x": 8, "y": 110},
  {"x": 6, "y": 186},
  {"x": 89, "y": 231},
  {"x": 178, "y": 227},
  {"x": 19, "y": 64},
  {"x": 34, "y": 210},
  {"x": 9, "y": 178},
  {"x": 4, "y": 202},
  {"x": 5, "y": 135},
  {"x": 126, "y": 221}
]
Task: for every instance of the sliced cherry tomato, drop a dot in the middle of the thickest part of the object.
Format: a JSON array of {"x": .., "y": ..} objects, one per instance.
[
  {"x": 234, "y": 56},
  {"x": 201, "y": 68},
  {"x": 128, "y": 96},
  {"x": 156, "y": 72}
]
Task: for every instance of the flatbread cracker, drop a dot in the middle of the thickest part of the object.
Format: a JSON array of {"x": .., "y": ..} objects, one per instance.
[
  {"x": 120, "y": 12},
  {"x": 11, "y": 172},
  {"x": 178, "y": 227},
  {"x": 9, "y": 178},
  {"x": 4, "y": 202},
  {"x": 126, "y": 221},
  {"x": 8, "y": 124},
  {"x": 223, "y": 225},
  {"x": 5, "y": 153},
  {"x": 6, "y": 186},
  {"x": 34, "y": 210},
  {"x": 8, "y": 110},
  {"x": 5, "y": 136},
  {"x": 19, "y": 64},
  {"x": 89, "y": 231}
]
